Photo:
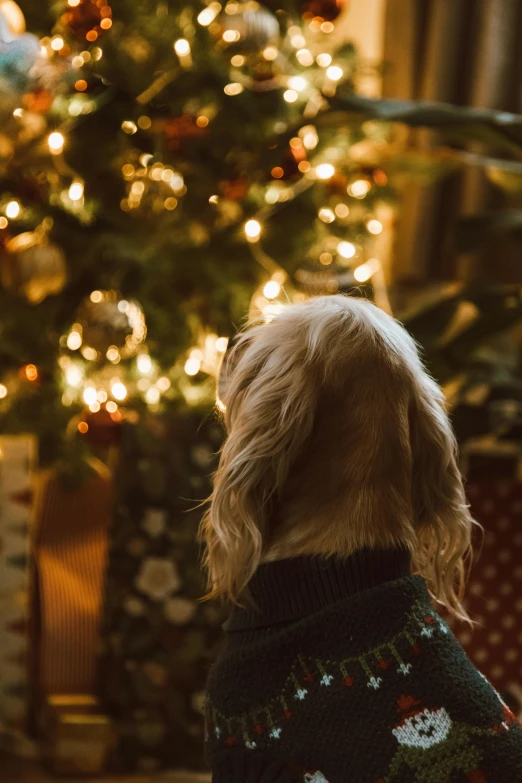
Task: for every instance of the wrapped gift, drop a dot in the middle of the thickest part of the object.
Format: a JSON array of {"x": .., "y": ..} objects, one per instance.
[{"x": 17, "y": 454}]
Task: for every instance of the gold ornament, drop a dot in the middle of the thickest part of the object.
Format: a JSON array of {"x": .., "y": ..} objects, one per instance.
[
  {"x": 250, "y": 29},
  {"x": 14, "y": 17},
  {"x": 111, "y": 325},
  {"x": 33, "y": 266}
]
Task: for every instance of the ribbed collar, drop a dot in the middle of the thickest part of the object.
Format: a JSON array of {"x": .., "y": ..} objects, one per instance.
[{"x": 292, "y": 589}]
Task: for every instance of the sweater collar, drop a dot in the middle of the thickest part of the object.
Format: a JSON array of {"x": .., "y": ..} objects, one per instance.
[{"x": 289, "y": 590}]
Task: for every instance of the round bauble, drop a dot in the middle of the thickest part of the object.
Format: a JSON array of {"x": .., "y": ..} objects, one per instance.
[
  {"x": 32, "y": 266},
  {"x": 254, "y": 27},
  {"x": 14, "y": 18},
  {"x": 107, "y": 320}
]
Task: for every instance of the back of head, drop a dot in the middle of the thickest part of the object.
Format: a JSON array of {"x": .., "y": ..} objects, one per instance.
[{"x": 337, "y": 439}]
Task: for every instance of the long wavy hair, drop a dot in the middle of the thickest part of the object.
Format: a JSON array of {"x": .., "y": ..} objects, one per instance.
[{"x": 337, "y": 439}]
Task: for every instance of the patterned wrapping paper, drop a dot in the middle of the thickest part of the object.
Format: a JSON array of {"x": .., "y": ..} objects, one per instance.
[{"x": 17, "y": 457}]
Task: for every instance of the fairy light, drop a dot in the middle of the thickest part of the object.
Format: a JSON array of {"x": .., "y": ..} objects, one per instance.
[
  {"x": 234, "y": 88},
  {"x": 89, "y": 353},
  {"x": 73, "y": 3},
  {"x": 310, "y": 137},
  {"x": 74, "y": 340},
  {"x": 297, "y": 41},
  {"x": 80, "y": 85},
  {"x": 327, "y": 27},
  {"x": 323, "y": 60},
  {"x": 272, "y": 289},
  {"x": 90, "y": 395},
  {"x": 202, "y": 121},
  {"x": 144, "y": 363},
  {"x": 57, "y": 43},
  {"x": 359, "y": 188},
  {"x": 102, "y": 395},
  {"x": 119, "y": 390},
  {"x": 334, "y": 73},
  {"x": 144, "y": 122},
  {"x": 346, "y": 249},
  {"x": 182, "y": 47},
  {"x": 163, "y": 383},
  {"x": 325, "y": 171},
  {"x": 31, "y": 373},
  {"x": 326, "y": 215},
  {"x": 342, "y": 210},
  {"x": 304, "y": 57},
  {"x": 231, "y": 36},
  {"x": 297, "y": 83},
  {"x": 129, "y": 127},
  {"x": 221, "y": 344},
  {"x": 252, "y": 230},
  {"x": 113, "y": 355},
  {"x": 3, "y": 391},
  {"x": 12, "y": 209},
  {"x": 111, "y": 407},
  {"x": 326, "y": 258},
  {"x": 3, "y": 222},
  {"x": 374, "y": 226},
  {"x": 237, "y": 60},
  {"x": 152, "y": 395},
  {"x": 73, "y": 376},
  {"x": 55, "y": 140},
  {"x": 192, "y": 365},
  {"x": 97, "y": 296},
  {"x": 83, "y": 427},
  {"x": 208, "y": 14},
  {"x": 76, "y": 190},
  {"x": 364, "y": 272},
  {"x": 290, "y": 96},
  {"x": 170, "y": 203},
  {"x": 270, "y": 53},
  {"x": 143, "y": 384},
  {"x": 304, "y": 166},
  {"x": 97, "y": 53}
]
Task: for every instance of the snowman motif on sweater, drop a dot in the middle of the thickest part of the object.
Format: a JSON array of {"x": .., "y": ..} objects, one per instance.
[{"x": 433, "y": 746}]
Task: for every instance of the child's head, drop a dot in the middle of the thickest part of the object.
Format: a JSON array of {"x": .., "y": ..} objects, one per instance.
[{"x": 337, "y": 439}]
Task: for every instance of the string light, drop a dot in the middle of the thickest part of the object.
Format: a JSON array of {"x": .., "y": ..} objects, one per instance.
[
  {"x": 304, "y": 57},
  {"x": 252, "y": 230},
  {"x": 325, "y": 171},
  {"x": 111, "y": 407},
  {"x": 341, "y": 210},
  {"x": 221, "y": 344},
  {"x": 207, "y": 16},
  {"x": 89, "y": 353},
  {"x": 81, "y": 85},
  {"x": 3, "y": 391},
  {"x": 234, "y": 88},
  {"x": 3, "y": 222},
  {"x": 270, "y": 53},
  {"x": 346, "y": 249},
  {"x": 73, "y": 3},
  {"x": 83, "y": 427},
  {"x": 90, "y": 395},
  {"x": 182, "y": 47},
  {"x": 55, "y": 141},
  {"x": 202, "y": 121},
  {"x": 323, "y": 60},
  {"x": 73, "y": 376},
  {"x": 231, "y": 36},
  {"x": 152, "y": 395},
  {"x": 119, "y": 390},
  {"x": 192, "y": 365},
  {"x": 97, "y": 296},
  {"x": 290, "y": 96},
  {"x": 365, "y": 271},
  {"x": 129, "y": 127},
  {"x": 57, "y": 43},
  {"x": 237, "y": 60},
  {"x": 326, "y": 215},
  {"x": 359, "y": 188},
  {"x": 12, "y": 209},
  {"x": 334, "y": 73},
  {"x": 113, "y": 355},
  {"x": 31, "y": 373},
  {"x": 18, "y": 113},
  {"x": 272, "y": 289},
  {"x": 76, "y": 190},
  {"x": 144, "y": 363},
  {"x": 74, "y": 340},
  {"x": 309, "y": 136},
  {"x": 327, "y": 27},
  {"x": 144, "y": 122},
  {"x": 374, "y": 226},
  {"x": 297, "y": 83},
  {"x": 163, "y": 383},
  {"x": 102, "y": 395},
  {"x": 326, "y": 258}
]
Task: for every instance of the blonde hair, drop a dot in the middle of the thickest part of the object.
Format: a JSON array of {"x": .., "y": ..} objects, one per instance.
[{"x": 338, "y": 439}]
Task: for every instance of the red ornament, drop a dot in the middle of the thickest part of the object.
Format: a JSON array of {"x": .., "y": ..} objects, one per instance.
[
  {"x": 88, "y": 19},
  {"x": 326, "y": 10},
  {"x": 383, "y": 663},
  {"x": 348, "y": 681}
]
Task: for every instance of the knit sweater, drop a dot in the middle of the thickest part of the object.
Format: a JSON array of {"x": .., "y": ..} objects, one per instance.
[{"x": 344, "y": 673}]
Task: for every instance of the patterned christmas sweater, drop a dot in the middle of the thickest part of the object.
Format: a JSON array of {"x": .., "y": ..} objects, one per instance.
[{"x": 344, "y": 673}]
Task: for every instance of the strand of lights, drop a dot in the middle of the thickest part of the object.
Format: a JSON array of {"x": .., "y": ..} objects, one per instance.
[
  {"x": 359, "y": 188},
  {"x": 12, "y": 209},
  {"x": 3, "y": 391},
  {"x": 324, "y": 171},
  {"x": 76, "y": 190},
  {"x": 182, "y": 49},
  {"x": 374, "y": 226},
  {"x": 56, "y": 142},
  {"x": 365, "y": 271},
  {"x": 207, "y": 16},
  {"x": 346, "y": 249},
  {"x": 253, "y": 230}
]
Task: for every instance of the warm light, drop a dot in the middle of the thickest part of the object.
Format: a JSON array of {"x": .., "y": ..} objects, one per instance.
[
  {"x": 113, "y": 355},
  {"x": 83, "y": 427},
  {"x": 220, "y": 405},
  {"x": 76, "y": 191},
  {"x": 97, "y": 296},
  {"x": 128, "y": 170},
  {"x": 144, "y": 122},
  {"x": 106, "y": 23},
  {"x": 297, "y": 83},
  {"x": 111, "y": 407},
  {"x": 310, "y": 140},
  {"x": 304, "y": 57},
  {"x": 290, "y": 96},
  {"x": 208, "y": 14},
  {"x": 57, "y": 43},
  {"x": 80, "y": 85},
  {"x": 3, "y": 222},
  {"x": 272, "y": 289},
  {"x": 277, "y": 172},
  {"x": 230, "y": 36},
  {"x": 12, "y": 209},
  {"x": 31, "y": 373},
  {"x": 270, "y": 53},
  {"x": 253, "y": 230},
  {"x": 374, "y": 226},
  {"x": 182, "y": 47},
  {"x": 92, "y": 35},
  {"x": 234, "y": 88},
  {"x": 323, "y": 60},
  {"x": 334, "y": 73},
  {"x": 163, "y": 383},
  {"x": 18, "y": 113},
  {"x": 297, "y": 41},
  {"x": 74, "y": 340},
  {"x": 118, "y": 390},
  {"x": 271, "y": 310},
  {"x": 202, "y": 121},
  {"x": 55, "y": 141},
  {"x": 102, "y": 396},
  {"x": 89, "y": 353},
  {"x": 346, "y": 249},
  {"x": 192, "y": 365},
  {"x": 129, "y": 127},
  {"x": 152, "y": 395},
  {"x": 3, "y": 391},
  {"x": 90, "y": 395},
  {"x": 326, "y": 215},
  {"x": 326, "y": 258},
  {"x": 365, "y": 271},
  {"x": 237, "y": 60},
  {"x": 73, "y": 3},
  {"x": 325, "y": 171},
  {"x": 221, "y": 344},
  {"x": 170, "y": 203},
  {"x": 146, "y": 158},
  {"x": 97, "y": 53},
  {"x": 304, "y": 166},
  {"x": 73, "y": 376},
  {"x": 359, "y": 188},
  {"x": 144, "y": 363},
  {"x": 341, "y": 210}
]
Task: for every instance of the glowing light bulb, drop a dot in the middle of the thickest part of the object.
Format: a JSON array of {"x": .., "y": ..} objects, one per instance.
[
  {"x": 111, "y": 407},
  {"x": 73, "y": 376},
  {"x": 290, "y": 96},
  {"x": 97, "y": 296},
  {"x": 74, "y": 340},
  {"x": 102, "y": 396},
  {"x": 152, "y": 395},
  {"x": 90, "y": 395},
  {"x": 341, "y": 210},
  {"x": 230, "y": 36},
  {"x": 113, "y": 355},
  {"x": 234, "y": 88},
  {"x": 325, "y": 171},
  {"x": 129, "y": 127},
  {"x": 237, "y": 60},
  {"x": 12, "y": 209},
  {"x": 163, "y": 383},
  {"x": 144, "y": 363},
  {"x": 297, "y": 83},
  {"x": 323, "y": 60},
  {"x": 304, "y": 57},
  {"x": 346, "y": 249},
  {"x": 334, "y": 73},
  {"x": 31, "y": 372},
  {"x": 374, "y": 226},
  {"x": 119, "y": 390},
  {"x": 192, "y": 365},
  {"x": 363, "y": 273},
  {"x": 270, "y": 53},
  {"x": 310, "y": 139},
  {"x": 57, "y": 43},
  {"x": 326, "y": 215},
  {"x": 272, "y": 289},
  {"x": 3, "y": 391},
  {"x": 253, "y": 230},
  {"x": 359, "y": 188},
  {"x": 208, "y": 14},
  {"x": 221, "y": 344},
  {"x": 55, "y": 141},
  {"x": 182, "y": 47},
  {"x": 76, "y": 190}
]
